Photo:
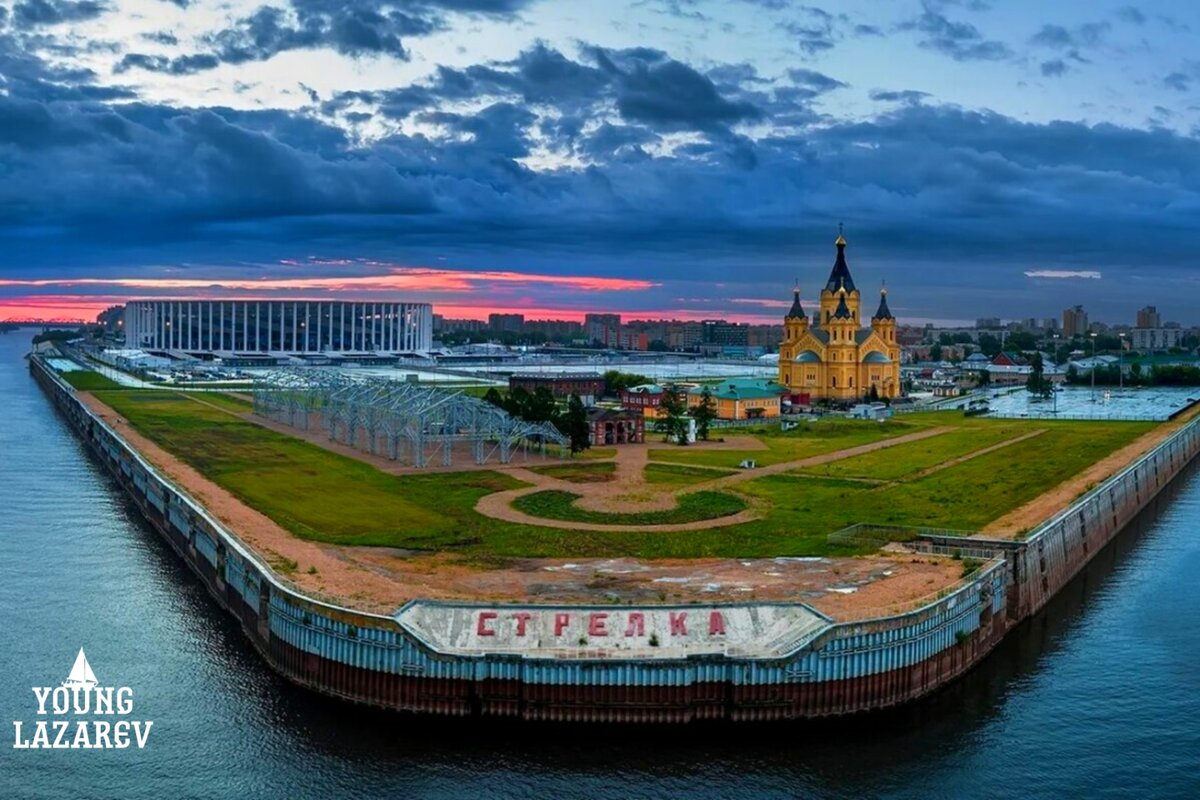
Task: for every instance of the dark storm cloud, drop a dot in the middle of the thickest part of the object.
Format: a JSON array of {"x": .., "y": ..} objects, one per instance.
[
  {"x": 35, "y": 13},
  {"x": 180, "y": 65},
  {"x": 672, "y": 95},
  {"x": 816, "y": 81},
  {"x": 350, "y": 27},
  {"x": 1182, "y": 79},
  {"x": 1132, "y": 15},
  {"x": 1054, "y": 68},
  {"x": 1081, "y": 36},
  {"x": 902, "y": 96},
  {"x": 961, "y": 41},
  {"x": 925, "y": 185}
]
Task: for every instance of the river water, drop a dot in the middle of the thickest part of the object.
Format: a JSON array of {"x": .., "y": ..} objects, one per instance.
[{"x": 1098, "y": 696}]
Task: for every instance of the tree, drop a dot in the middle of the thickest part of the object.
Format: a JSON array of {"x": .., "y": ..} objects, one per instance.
[
  {"x": 494, "y": 397},
  {"x": 935, "y": 353},
  {"x": 873, "y": 394},
  {"x": 574, "y": 425},
  {"x": 670, "y": 415},
  {"x": 1038, "y": 383},
  {"x": 704, "y": 413},
  {"x": 1022, "y": 341},
  {"x": 989, "y": 345},
  {"x": 541, "y": 406},
  {"x": 616, "y": 381}
]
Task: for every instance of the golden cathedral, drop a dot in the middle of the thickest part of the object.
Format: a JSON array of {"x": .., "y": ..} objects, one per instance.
[{"x": 834, "y": 357}]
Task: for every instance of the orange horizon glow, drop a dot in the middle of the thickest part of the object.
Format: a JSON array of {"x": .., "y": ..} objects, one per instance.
[{"x": 406, "y": 278}]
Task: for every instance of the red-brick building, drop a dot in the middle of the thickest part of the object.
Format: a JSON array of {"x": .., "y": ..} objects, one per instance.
[
  {"x": 644, "y": 399},
  {"x": 588, "y": 385},
  {"x": 616, "y": 426}
]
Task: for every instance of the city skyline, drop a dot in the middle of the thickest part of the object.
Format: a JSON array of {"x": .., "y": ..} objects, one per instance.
[{"x": 679, "y": 159}]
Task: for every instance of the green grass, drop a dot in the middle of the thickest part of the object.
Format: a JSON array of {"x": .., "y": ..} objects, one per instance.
[
  {"x": 809, "y": 439},
  {"x": 594, "y": 453},
  {"x": 226, "y": 401},
  {"x": 595, "y": 472},
  {"x": 88, "y": 381},
  {"x": 310, "y": 491},
  {"x": 323, "y": 496},
  {"x": 895, "y": 463},
  {"x": 674, "y": 475},
  {"x": 692, "y": 508}
]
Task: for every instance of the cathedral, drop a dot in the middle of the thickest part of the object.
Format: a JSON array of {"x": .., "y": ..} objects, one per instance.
[{"x": 834, "y": 357}]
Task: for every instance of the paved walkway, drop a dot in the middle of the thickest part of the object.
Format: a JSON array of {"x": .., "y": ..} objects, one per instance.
[{"x": 608, "y": 496}]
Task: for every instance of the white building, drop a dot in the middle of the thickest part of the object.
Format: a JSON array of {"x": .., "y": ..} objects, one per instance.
[
  {"x": 1155, "y": 338},
  {"x": 278, "y": 326}
]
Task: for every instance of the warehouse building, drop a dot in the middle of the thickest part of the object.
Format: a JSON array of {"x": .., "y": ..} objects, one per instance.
[{"x": 279, "y": 326}]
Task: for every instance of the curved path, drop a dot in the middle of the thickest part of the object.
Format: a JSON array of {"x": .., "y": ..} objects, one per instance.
[{"x": 631, "y": 459}]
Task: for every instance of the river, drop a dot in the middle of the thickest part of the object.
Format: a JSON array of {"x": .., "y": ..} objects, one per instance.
[{"x": 1097, "y": 696}]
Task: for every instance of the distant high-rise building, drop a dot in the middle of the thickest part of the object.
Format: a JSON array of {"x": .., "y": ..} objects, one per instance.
[
  {"x": 506, "y": 323},
  {"x": 1049, "y": 324},
  {"x": 1148, "y": 317},
  {"x": 554, "y": 328},
  {"x": 602, "y": 328},
  {"x": 1075, "y": 322},
  {"x": 987, "y": 323}
]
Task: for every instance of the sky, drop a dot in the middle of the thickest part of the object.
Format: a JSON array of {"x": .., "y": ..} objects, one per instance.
[{"x": 659, "y": 158}]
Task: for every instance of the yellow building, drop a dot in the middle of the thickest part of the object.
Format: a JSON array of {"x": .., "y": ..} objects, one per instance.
[
  {"x": 740, "y": 398},
  {"x": 834, "y": 357}
]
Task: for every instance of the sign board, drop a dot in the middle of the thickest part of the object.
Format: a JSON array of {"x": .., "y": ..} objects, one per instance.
[{"x": 652, "y": 632}]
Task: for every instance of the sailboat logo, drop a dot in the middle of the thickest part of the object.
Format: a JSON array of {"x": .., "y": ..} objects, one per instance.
[{"x": 81, "y": 676}]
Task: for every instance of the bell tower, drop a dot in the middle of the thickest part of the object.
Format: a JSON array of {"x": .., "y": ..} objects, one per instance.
[{"x": 839, "y": 278}]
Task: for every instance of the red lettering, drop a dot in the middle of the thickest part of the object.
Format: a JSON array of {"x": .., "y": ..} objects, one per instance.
[
  {"x": 716, "y": 624},
  {"x": 637, "y": 624},
  {"x": 561, "y": 621},
  {"x": 482, "y": 627},
  {"x": 521, "y": 617},
  {"x": 679, "y": 623},
  {"x": 596, "y": 624}
]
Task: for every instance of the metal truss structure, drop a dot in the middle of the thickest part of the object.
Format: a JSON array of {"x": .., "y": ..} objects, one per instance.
[{"x": 419, "y": 425}]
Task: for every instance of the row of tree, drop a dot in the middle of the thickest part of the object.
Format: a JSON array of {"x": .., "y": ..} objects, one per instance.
[
  {"x": 673, "y": 416},
  {"x": 541, "y": 406}
]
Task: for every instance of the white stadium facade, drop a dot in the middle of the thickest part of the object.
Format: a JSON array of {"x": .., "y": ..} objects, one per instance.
[{"x": 279, "y": 326}]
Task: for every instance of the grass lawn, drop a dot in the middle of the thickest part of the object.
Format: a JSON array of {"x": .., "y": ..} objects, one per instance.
[
  {"x": 691, "y": 508},
  {"x": 87, "y": 381},
  {"x": 895, "y": 463},
  {"x": 226, "y": 401},
  {"x": 679, "y": 475},
  {"x": 966, "y": 496},
  {"x": 597, "y": 452},
  {"x": 809, "y": 439},
  {"x": 596, "y": 472},
  {"x": 323, "y": 496}
]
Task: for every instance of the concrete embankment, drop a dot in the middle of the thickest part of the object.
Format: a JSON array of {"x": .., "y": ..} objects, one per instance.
[{"x": 750, "y": 661}]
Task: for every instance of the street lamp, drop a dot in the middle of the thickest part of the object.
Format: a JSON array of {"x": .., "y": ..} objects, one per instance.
[
  {"x": 1053, "y": 388},
  {"x": 1093, "y": 335},
  {"x": 1121, "y": 364}
]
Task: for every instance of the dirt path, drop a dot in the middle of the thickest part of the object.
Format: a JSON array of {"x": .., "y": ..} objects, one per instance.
[
  {"x": 1046, "y": 505},
  {"x": 629, "y": 493}
]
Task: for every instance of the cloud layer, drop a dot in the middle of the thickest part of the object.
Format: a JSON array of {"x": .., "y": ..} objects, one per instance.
[{"x": 675, "y": 177}]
